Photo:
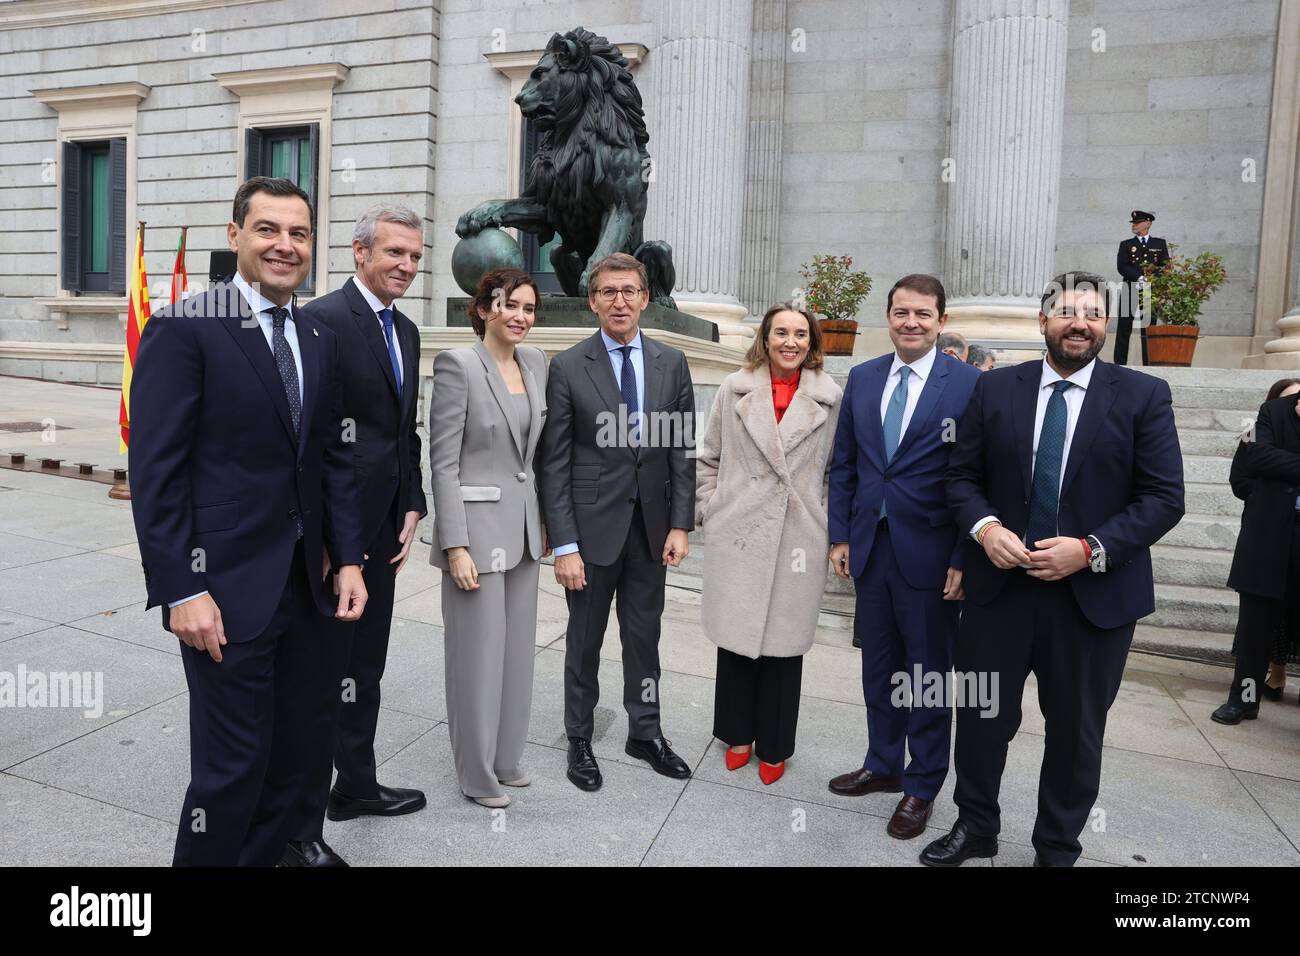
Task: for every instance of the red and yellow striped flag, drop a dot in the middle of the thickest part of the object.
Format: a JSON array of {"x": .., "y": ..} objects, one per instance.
[
  {"x": 180, "y": 279},
  {"x": 137, "y": 315}
]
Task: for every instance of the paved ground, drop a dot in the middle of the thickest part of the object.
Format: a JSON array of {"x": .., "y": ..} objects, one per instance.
[{"x": 1176, "y": 789}]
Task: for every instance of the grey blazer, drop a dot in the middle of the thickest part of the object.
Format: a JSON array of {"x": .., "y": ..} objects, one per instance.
[{"x": 484, "y": 490}]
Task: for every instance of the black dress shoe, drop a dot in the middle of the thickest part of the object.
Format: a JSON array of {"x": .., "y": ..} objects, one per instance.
[
  {"x": 1234, "y": 712},
  {"x": 659, "y": 756},
  {"x": 1270, "y": 692},
  {"x": 390, "y": 802},
  {"x": 957, "y": 847},
  {"x": 584, "y": 772},
  {"x": 857, "y": 642},
  {"x": 310, "y": 853}
]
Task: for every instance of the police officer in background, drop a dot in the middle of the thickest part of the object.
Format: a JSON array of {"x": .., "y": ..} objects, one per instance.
[{"x": 1132, "y": 256}]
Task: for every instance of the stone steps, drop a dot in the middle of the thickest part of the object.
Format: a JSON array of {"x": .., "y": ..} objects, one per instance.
[
  {"x": 1194, "y": 608},
  {"x": 1213, "y": 443},
  {"x": 1208, "y": 499},
  {"x": 1204, "y": 532},
  {"x": 1195, "y": 567}
]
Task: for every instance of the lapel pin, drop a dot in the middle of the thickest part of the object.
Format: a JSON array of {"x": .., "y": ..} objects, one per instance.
[{"x": 315, "y": 332}]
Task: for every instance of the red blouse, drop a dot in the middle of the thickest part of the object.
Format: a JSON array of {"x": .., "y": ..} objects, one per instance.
[{"x": 783, "y": 390}]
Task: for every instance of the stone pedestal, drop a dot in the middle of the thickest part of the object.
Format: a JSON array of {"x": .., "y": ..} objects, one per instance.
[
  {"x": 697, "y": 100},
  {"x": 1008, "y": 108}
]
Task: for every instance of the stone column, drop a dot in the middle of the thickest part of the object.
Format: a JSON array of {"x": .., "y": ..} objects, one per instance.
[
  {"x": 697, "y": 108},
  {"x": 1008, "y": 107},
  {"x": 1278, "y": 283}
]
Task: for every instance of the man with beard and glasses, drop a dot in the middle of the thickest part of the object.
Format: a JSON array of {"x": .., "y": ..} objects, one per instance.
[{"x": 1066, "y": 471}]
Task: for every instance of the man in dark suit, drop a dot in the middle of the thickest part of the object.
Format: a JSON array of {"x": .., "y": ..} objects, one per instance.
[
  {"x": 380, "y": 349},
  {"x": 1133, "y": 254},
  {"x": 242, "y": 484},
  {"x": 1266, "y": 562},
  {"x": 1066, "y": 471},
  {"x": 892, "y": 533},
  {"x": 618, "y": 494}
]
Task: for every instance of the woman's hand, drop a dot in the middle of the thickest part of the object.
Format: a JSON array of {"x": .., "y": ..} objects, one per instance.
[{"x": 462, "y": 569}]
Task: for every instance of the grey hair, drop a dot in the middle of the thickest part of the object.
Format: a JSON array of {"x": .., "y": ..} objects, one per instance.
[
  {"x": 978, "y": 355},
  {"x": 364, "y": 232}
]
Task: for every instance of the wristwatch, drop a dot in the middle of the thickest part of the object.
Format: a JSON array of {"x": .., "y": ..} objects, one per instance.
[{"x": 1098, "y": 560}]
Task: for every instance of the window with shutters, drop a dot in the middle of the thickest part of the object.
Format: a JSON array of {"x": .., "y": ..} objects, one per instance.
[
  {"x": 94, "y": 216},
  {"x": 289, "y": 152}
]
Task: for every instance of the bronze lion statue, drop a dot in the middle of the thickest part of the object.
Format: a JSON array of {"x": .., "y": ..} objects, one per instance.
[{"x": 588, "y": 179}]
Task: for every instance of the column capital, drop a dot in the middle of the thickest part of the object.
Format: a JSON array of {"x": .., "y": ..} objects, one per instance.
[{"x": 971, "y": 13}]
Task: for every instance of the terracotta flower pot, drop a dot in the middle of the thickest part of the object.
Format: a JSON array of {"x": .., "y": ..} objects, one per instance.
[
  {"x": 838, "y": 335},
  {"x": 1172, "y": 345}
]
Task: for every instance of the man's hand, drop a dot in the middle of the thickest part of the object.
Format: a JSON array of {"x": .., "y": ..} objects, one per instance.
[
  {"x": 840, "y": 558},
  {"x": 1003, "y": 548},
  {"x": 1057, "y": 558},
  {"x": 404, "y": 539},
  {"x": 952, "y": 589},
  {"x": 570, "y": 573},
  {"x": 675, "y": 547},
  {"x": 352, "y": 593},
  {"x": 463, "y": 570},
  {"x": 197, "y": 623}
]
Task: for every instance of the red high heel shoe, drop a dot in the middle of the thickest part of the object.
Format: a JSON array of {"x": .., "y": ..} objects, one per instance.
[
  {"x": 737, "y": 760},
  {"x": 770, "y": 773}
]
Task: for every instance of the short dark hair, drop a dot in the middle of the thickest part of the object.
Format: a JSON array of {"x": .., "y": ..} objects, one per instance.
[
  {"x": 978, "y": 355},
  {"x": 1281, "y": 385},
  {"x": 272, "y": 186},
  {"x": 618, "y": 262},
  {"x": 758, "y": 354},
  {"x": 494, "y": 287},
  {"x": 922, "y": 283},
  {"x": 1074, "y": 282}
]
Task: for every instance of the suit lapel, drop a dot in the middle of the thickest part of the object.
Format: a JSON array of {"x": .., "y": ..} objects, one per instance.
[
  {"x": 804, "y": 416},
  {"x": 241, "y": 322},
  {"x": 410, "y": 360},
  {"x": 1097, "y": 400},
  {"x": 309, "y": 349},
  {"x": 1024, "y": 406},
  {"x": 371, "y": 331},
  {"x": 534, "y": 410},
  {"x": 602, "y": 374},
  {"x": 925, "y": 405},
  {"x": 654, "y": 373},
  {"x": 499, "y": 391},
  {"x": 869, "y": 409}
]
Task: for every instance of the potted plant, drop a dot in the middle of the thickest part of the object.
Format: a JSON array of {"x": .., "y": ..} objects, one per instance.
[
  {"x": 834, "y": 292},
  {"x": 1177, "y": 293}
]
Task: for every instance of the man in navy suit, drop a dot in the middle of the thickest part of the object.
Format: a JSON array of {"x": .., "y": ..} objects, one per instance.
[
  {"x": 1066, "y": 471},
  {"x": 242, "y": 486},
  {"x": 891, "y": 532}
]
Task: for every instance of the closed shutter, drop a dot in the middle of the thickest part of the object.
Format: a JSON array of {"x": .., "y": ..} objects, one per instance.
[
  {"x": 117, "y": 216},
  {"x": 71, "y": 199}
]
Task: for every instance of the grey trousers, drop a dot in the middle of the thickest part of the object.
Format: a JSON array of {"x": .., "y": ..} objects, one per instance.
[{"x": 490, "y": 637}]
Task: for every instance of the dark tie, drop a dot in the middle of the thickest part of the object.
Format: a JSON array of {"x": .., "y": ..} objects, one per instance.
[
  {"x": 288, "y": 374},
  {"x": 1045, "y": 494},
  {"x": 386, "y": 316},
  {"x": 627, "y": 385},
  {"x": 285, "y": 363}
]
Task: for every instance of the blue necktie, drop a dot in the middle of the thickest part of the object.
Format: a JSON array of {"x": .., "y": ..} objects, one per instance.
[
  {"x": 1045, "y": 494},
  {"x": 894, "y": 419},
  {"x": 627, "y": 385},
  {"x": 386, "y": 316}
]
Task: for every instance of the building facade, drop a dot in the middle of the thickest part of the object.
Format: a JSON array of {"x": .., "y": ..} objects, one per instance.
[{"x": 991, "y": 142}]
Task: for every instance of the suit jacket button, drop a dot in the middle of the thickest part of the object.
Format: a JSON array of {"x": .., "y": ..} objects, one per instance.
[{"x": 522, "y": 476}]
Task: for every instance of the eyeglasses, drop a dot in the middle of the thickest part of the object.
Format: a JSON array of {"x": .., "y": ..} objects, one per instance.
[{"x": 609, "y": 294}]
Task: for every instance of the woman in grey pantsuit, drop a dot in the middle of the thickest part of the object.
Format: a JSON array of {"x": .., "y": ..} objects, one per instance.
[{"x": 485, "y": 418}]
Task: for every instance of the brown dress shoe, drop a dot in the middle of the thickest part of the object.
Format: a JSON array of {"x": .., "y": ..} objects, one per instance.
[
  {"x": 909, "y": 819},
  {"x": 863, "y": 781}
]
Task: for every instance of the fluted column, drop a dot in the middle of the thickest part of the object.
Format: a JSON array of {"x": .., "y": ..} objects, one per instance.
[
  {"x": 697, "y": 103},
  {"x": 763, "y": 159},
  {"x": 1008, "y": 109}
]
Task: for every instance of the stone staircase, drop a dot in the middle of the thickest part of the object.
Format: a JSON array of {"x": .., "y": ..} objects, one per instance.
[{"x": 1195, "y": 611}]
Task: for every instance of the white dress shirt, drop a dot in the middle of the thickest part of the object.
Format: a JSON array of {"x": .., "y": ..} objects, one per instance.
[
  {"x": 612, "y": 346},
  {"x": 260, "y": 304},
  {"x": 376, "y": 306},
  {"x": 921, "y": 370},
  {"x": 1073, "y": 404}
]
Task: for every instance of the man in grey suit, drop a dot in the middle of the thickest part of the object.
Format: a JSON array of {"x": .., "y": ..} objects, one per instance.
[{"x": 618, "y": 493}]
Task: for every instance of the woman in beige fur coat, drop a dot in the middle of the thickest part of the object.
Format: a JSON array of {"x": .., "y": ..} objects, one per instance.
[{"x": 761, "y": 498}]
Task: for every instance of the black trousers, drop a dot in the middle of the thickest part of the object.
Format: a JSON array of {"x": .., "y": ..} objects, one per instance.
[
  {"x": 1259, "y": 622},
  {"x": 344, "y": 720},
  {"x": 1036, "y": 626},
  {"x": 249, "y": 721},
  {"x": 637, "y": 579},
  {"x": 757, "y": 701},
  {"x": 1128, "y": 305}
]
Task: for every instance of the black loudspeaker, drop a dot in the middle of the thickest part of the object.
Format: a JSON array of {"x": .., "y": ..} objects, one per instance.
[{"x": 222, "y": 265}]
